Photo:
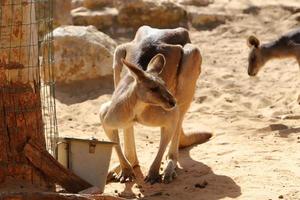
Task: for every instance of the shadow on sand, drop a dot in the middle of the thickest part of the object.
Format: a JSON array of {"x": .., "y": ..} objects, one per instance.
[
  {"x": 283, "y": 130},
  {"x": 188, "y": 184},
  {"x": 80, "y": 91}
]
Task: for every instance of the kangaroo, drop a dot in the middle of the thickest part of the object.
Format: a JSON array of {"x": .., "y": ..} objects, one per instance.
[
  {"x": 163, "y": 67},
  {"x": 285, "y": 46}
]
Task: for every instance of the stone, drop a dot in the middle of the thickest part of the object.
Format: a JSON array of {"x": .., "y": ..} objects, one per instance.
[
  {"x": 76, "y": 4},
  {"x": 96, "y": 4},
  {"x": 102, "y": 19},
  {"x": 196, "y": 2},
  {"x": 159, "y": 14},
  {"x": 207, "y": 19},
  {"x": 82, "y": 53}
]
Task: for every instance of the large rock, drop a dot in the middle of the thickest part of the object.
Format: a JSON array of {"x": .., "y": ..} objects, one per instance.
[
  {"x": 159, "y": 13},
  {"x": 196, "y": 2},
  {"x": 207, "y": 19},
  {"x": 102, "y": 19},
  {"x": 81, "y": 53},
  {"x": 77, "y": 3},
  {"x": 96, "y": 4}
]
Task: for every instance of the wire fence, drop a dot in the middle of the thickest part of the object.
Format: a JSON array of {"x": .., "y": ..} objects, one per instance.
[{"x": 26, "y": 56}]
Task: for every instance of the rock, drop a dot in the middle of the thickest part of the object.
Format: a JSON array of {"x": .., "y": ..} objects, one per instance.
[
  {"x": 196, "y": 2},
  {"x": 81, "y": 53},
  {"x": 77, "y": 4},
  {"x": 101, "y": 19},
  {"x": 160, "y": 13},
  {"x": 96, "y": 4},
  {"x": 62, "y": 12},
  {"x": 207, "y": 19}
]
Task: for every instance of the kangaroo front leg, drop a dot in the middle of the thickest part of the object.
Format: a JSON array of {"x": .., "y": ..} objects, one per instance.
[
  {"x": 169, "y": 173},
  {"x": 153, "y": 174},
  {"x": 129, "y": 146},
  {"x": 126, "y": 173},
  {"x": 130, "y": 153}
]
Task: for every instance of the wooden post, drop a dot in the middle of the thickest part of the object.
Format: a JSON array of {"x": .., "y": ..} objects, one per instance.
[
  {"x": 24, "y": 160},
  {"x": 20, "y": 102},
  {"x": 55, "y": 196},
  {"x": 42, "y": 160}
]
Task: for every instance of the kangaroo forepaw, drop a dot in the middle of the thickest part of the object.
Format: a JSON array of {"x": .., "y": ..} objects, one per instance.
[
  {"x": 113, "y": 173},
  {"x": 120, "y": 175},
  {"x": 169, "y": 173},
  {"x": 126, "y": 175},
  {"x": 153, "y": 178}
]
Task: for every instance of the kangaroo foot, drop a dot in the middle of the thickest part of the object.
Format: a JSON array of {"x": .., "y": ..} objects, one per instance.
[
  {"x": 153, "y": 177},
  {"x": 169, "y": 173}
]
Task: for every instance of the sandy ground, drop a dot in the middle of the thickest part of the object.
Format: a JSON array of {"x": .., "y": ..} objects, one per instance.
[{"x": 254, "y": 152}]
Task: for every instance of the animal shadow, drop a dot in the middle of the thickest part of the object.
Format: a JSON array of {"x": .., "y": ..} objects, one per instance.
[
  {"x": 195, "y": 180},
  {"x": 80, "y": 91}
]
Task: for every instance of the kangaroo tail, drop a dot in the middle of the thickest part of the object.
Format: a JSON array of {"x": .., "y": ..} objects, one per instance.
[{"x": 192, "y": 138}]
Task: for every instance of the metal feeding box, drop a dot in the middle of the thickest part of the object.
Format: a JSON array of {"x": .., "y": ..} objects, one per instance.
[{"x": 89, "y": 159}]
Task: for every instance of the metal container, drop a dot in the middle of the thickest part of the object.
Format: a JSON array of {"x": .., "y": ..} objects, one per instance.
[{"x": 89, "y": 159}]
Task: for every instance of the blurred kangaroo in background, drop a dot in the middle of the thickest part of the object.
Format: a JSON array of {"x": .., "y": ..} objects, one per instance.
[
  {"x": 288, "y": 45},
  {"x": 163, "y": 67},
  {"x": 285, "y": 46}
]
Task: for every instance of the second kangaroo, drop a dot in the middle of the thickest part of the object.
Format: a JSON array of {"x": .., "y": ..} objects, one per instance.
[{"x": 287, "y": 45}]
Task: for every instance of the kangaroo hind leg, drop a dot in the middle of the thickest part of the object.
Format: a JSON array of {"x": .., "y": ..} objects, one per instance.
[{"x": 189, "y": 72}]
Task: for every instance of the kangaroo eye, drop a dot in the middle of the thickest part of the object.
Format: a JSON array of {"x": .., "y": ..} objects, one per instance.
[{"x": 155, "y": 89}]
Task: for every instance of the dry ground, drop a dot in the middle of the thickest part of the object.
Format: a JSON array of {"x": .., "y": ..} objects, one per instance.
[{"x": 254, "y": 152}]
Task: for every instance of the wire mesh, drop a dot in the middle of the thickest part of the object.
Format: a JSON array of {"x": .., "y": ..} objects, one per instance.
[{"x": 26, "y": 56}]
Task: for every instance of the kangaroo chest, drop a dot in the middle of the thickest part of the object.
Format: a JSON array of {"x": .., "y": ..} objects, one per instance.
[{"x": 154, "y": 116}]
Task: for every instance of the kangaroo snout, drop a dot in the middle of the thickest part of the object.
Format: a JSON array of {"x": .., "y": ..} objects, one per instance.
[
  {"x": 172, "y": 103},
  {"x": 252, "y": 72}
]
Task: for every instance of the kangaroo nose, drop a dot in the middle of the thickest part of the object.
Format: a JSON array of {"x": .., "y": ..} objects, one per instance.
[
  {"x": 251, "y": 71},
  {"x": 172, "y": 103}
]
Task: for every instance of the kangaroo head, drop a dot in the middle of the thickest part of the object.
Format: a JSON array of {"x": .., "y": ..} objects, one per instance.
[
  {"x": 255, "y": 58},
  {"x": 149, "y": 87}
]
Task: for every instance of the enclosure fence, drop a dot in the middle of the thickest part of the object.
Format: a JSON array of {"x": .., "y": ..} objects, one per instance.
[{"x": 26, "y": 58}]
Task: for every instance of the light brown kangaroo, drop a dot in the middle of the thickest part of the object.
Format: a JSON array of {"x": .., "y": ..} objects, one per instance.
[
  {"x": 287, "y": 45},
  {"x": 163, "y": 69}
]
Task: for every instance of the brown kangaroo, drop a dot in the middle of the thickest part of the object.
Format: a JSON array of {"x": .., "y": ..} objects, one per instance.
[
  {"x": 287, "y": 45},
  {"x": 163, "y": 68}
]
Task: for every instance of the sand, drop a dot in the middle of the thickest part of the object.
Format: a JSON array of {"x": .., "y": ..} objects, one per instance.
[{"x": 256, "y": 121}]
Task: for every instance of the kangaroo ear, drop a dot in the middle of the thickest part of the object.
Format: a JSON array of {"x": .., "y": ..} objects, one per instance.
[
  {"x": 136, "y": 72},
  {"x": 253, "y": 41},
  {"x": 156, "y": 64}
]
